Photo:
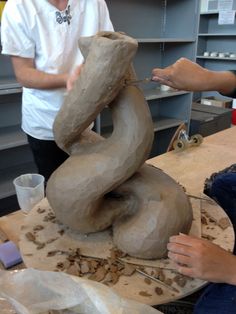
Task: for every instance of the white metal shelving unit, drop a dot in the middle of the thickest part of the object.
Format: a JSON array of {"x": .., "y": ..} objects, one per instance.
[
  {"x": 213, "y": 37},
  {"x": 165, "y": 30},
  {"x": 15, "y": 155}
]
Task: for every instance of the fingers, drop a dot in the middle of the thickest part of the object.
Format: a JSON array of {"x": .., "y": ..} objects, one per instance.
[
  {"x": 180, "y": 259},
  {"x": 183, "y": 264},
  {"x": 160, "y": 75},
  {"x": 183, "y": 259},
  {"x": 69, "y": 85},
  {"x": 180, "y": 249},
  {"x": 184, "y": 270},
  {"x": 184, "y": 239},
  {"x": 73, "y": 77},
  {"x": 78, "y": 70}
]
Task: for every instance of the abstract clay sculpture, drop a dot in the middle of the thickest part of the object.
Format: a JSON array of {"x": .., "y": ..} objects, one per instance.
[{"x": 105, "y": 182}]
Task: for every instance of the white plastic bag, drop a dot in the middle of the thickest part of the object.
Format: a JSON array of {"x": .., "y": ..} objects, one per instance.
[{"x": 38, "y": 292}]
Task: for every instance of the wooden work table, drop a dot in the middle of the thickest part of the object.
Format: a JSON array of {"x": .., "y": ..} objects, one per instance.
[{"x": 190, "y": 168}]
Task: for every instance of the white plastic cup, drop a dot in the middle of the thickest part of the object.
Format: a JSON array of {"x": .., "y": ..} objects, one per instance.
[{"x": 29, "y": 190}]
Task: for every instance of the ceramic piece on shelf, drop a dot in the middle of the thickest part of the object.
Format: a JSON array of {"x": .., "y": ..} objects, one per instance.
[
  {"x": 166, "y": 88},
  {"x": 232, "y": 55},
  {"x": 214, "y": 54},
  {"x": 222, "y": 55},
  {"x": 206, "y": 54}
]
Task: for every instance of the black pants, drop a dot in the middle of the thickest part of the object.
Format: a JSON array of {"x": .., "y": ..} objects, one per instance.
[{"x": 47, "y": 155}]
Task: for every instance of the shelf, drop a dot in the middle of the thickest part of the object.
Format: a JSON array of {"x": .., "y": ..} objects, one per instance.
[
  {"x": 216, "y": 58},
  {"x": 164, "y": 123},
  {"x": 209, "y": 12},
  {"x": 11, "y": 137},
  {"x": 8, "y": 84},
  {"x": 8, "y": 175},
  {"x": 165, "y": 40},
  {"x": 217, "y": 35},
  {"x": 10, "y": 91},
  {"x": 158, "y": 94}
]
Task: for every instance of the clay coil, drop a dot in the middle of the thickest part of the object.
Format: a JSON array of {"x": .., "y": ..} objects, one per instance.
[{"x": 145, "y": 205}]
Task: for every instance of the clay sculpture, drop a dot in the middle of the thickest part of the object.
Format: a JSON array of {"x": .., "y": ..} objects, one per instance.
[{"x": 105, "y": 182}]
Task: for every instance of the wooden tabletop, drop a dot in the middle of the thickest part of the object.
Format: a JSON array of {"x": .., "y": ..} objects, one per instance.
[{"x": 190, "y": 168}]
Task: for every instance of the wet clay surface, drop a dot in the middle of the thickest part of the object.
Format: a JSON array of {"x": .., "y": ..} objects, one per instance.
[{"x": 105, "y": 182}]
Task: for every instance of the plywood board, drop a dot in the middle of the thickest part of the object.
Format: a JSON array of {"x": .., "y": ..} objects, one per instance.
[{"x": 55, "y": 236}]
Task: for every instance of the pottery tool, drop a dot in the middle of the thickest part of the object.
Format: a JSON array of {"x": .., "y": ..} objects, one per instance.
[
  {"x": 157, "y": 280},
  {"x": 136, "y": 82},
  {"x": 9, "y": 254}
]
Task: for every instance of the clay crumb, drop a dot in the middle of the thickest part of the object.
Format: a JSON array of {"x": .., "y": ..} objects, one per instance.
[
  {"x": 168, "y": 281},
  {"x": 30, "y": 236},
  {"x": 208, "y": 237},
  {"x": 160, "y": 274},
  {"x": 115, "y": 253},
  {"x": 53, "y": 253},
  {"x": 115, "y": 277},
  {"x": 38, "y": 228},
  {"x": 128, "y": 270},
  {"x": 60, "y": 266},
  {"x": 147, "y": 281},
  {"x": 84, "y": 266},
  {"x": 224, "y": 223},
  {"x": 61, "y": 232},
  {"x": 40, "y": 246},
  {"x": 73, "y": 270},
  {"x": 158, "y": 291},
  {"x": 180, "y": 280},
  {"x": 51, "y": 240},
  {"x": 204, "y": 220},
  {"x": 50, "y": 217},
  {"x": 211, "y": 218},
  {"x": 41, "y": 210},
  {"x": 99, "y": 275},
  {"x": 144, "y": 294}
]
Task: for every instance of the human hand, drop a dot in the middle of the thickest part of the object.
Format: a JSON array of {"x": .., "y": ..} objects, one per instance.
[
  {"x": 199, "y": 258},
  {"x": 183, "y": 74},
  {"x": 73, "y": 77}
]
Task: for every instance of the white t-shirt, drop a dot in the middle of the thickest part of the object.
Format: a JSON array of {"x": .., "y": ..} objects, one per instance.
[{"x": 37, "y": 29}]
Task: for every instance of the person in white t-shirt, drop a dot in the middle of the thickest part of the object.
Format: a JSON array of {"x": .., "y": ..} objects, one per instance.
[{"x": 42, "y": 39}]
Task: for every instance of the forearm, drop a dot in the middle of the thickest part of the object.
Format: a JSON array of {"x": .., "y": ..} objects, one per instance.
[
  {"x": 33, "y": 78},
  {"x": 29, "y": 76},
  {"x": 187, "y": 75},
  {"x": 224, "y": 82}
]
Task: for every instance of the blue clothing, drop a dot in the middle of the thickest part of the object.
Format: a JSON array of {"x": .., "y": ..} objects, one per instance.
[
  {"x": 219, "y": 298},
  {"x": 223, "y": 190}
]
